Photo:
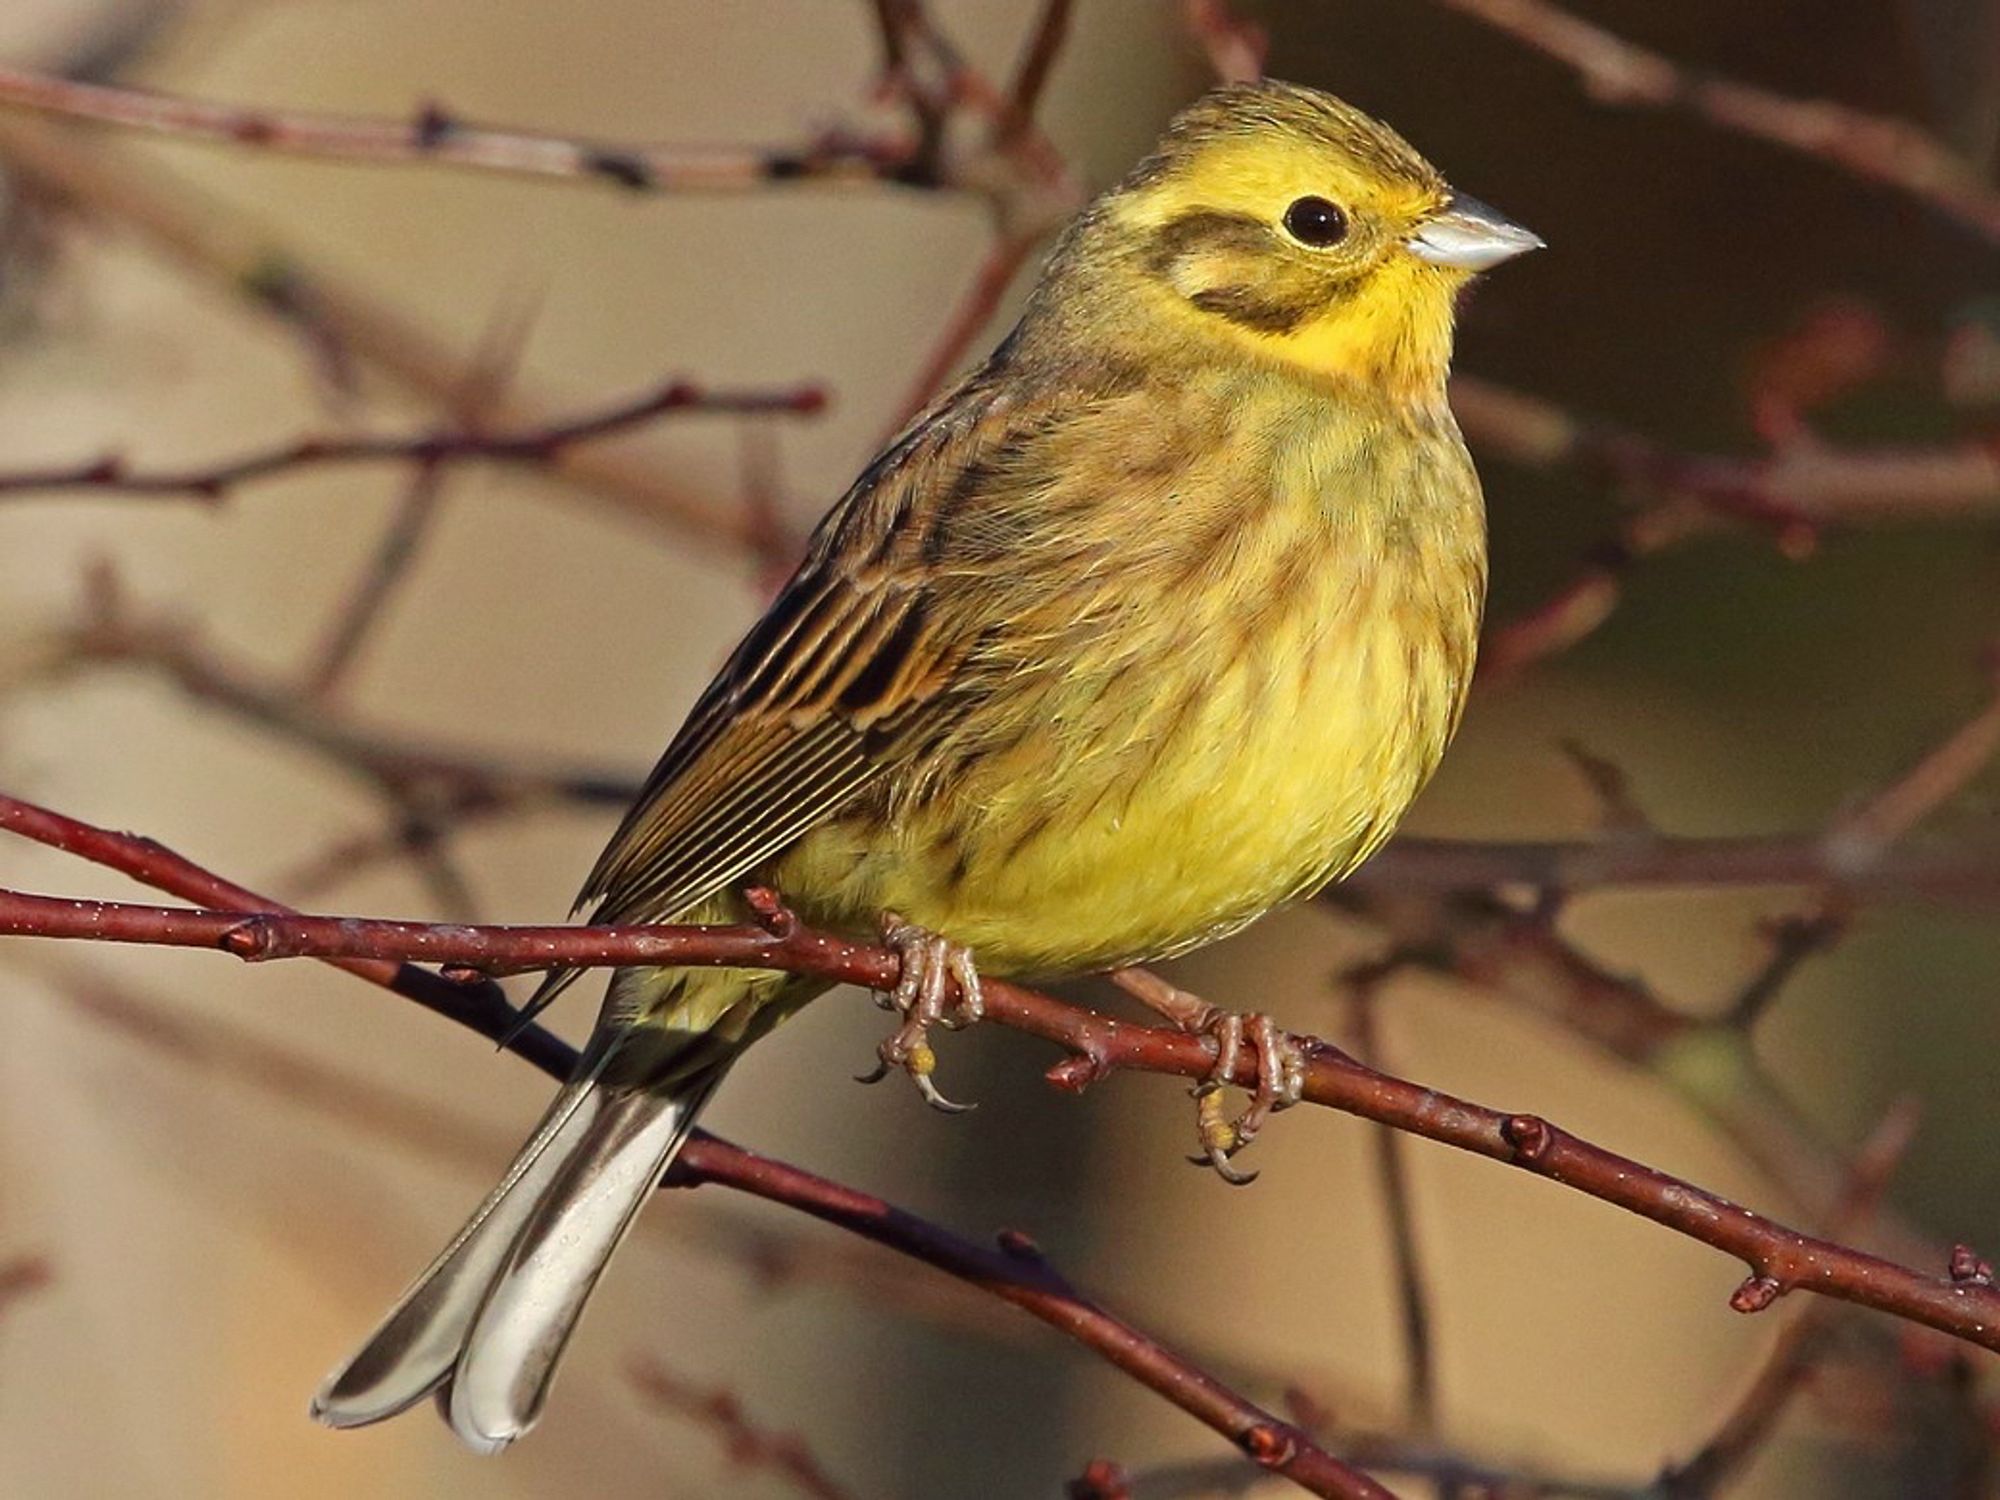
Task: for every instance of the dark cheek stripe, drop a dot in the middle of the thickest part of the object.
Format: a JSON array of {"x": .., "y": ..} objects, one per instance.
[
  {"x": 1254, "y": 309},
  {"x": 1278, "y": 296}
]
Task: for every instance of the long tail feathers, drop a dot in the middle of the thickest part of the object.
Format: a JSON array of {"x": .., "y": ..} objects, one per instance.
[{"x": 491, "y": 1315}]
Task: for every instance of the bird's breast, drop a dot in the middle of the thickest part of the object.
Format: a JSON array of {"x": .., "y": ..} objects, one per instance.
[{"x": 1232, "y": 728}]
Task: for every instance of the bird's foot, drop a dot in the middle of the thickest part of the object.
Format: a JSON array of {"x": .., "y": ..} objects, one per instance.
[
  {"x": 927, "y": 996},
  {"x": 1280, "y": 1064},
  {"x": 1277, "y": 1057}
]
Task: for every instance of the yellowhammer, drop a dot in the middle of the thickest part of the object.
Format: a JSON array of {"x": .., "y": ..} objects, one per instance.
[{"x": 1157, "y": 621}]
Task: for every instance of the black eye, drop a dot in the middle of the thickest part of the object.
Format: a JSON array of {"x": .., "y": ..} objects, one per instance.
[{"x": 1316, "y": 222}]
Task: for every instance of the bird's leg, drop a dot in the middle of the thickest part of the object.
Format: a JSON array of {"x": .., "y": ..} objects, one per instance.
[
  {"x": 1277, "y": 1057},
  {"x": 926, "y": 995}
]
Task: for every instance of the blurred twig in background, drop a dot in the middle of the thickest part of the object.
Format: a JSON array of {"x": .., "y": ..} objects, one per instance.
[{"x": 1617, "y": 72}]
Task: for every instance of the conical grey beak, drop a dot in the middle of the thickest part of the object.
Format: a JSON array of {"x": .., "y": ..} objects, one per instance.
[{"x": 1470, "y": 236}]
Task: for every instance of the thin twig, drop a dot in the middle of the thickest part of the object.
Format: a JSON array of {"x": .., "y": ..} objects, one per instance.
[
  {"x": 214, "y": 240},
  {"x": 1234, "y": 47},
  {"x": 1794, "y": 938},
  {"x": 1966, "y": 874},
  {"x": 975, "y": 309},
  {"x": 1794, "y": 496},
  {"x": 537, "y": 444},
  {"x": 1017, "y": 1273},
  {"x": 1710, "y": 1469},
  {"x": 1807, "y": 486},
  {"x": 362, "y": 608},
  {"x": 1939, "y": 776},
  {"x": 747, "y": 1445},
  {"x": 396, "y": 551},
  {"x": 1412, "y": 1285},
  {"x": 1031, "y": 77},
  {"x": 1875, "y": 148},
  {"x": 434, "y": 136}
]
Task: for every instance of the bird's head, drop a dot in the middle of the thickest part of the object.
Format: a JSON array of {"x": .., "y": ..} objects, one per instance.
[{"x": 1293, "y": 224}]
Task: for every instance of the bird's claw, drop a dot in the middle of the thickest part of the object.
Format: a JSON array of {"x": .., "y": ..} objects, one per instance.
[
  {"x": 1277, "y": 1057},
  {"x": 927, "y": 996},
  {"x": 1280, "y": 1065}
]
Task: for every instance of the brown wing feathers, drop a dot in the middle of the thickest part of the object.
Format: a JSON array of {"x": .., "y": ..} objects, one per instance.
[{"x": 846, "y": 669}]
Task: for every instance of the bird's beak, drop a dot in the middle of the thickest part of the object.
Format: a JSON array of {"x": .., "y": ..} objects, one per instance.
[{"x": 1469, "y": 236}]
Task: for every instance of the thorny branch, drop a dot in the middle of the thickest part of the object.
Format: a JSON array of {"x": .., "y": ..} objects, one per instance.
[{"x": 1779, "y": 1259}]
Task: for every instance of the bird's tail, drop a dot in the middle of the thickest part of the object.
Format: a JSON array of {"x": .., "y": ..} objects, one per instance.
[{"x": 486, "y": 1324}]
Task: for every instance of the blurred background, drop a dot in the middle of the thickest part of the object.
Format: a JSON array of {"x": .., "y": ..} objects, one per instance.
[{"x": 213, "y": 1178}]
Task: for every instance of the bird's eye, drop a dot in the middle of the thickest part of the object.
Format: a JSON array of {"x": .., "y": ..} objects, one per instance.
[{"x": 1315, "y": 222}]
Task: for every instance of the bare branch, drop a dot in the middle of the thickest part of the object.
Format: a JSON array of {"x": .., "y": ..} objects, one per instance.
[
  {"x": 536, "y": 444},
  {"x": 1620, "y": 73},
  {"x": 1015, "y": 1272},
  {"x": 1805, "y": 486},
  {"x": 1392, "y": 1175},
  {"x": 1779, "y": 1259},
  {"x": 1794, "y": 496},
  {"x": 1964, "y": 875},
  {"x": 1933, "y": 781},
  {"x": 974, "y": 311},
  {"x": 1794, "y": 939},
  {"x": 1709, "y": 1470},
  {"x": 214, "y": 240},
  {"x": 364, "y": 604},
  {"x": 748, "y": 1445},
  {"x": 434, "y": 136},
  {"x": 1234, "y": 47},
  {"x": 1024, "y": 94}
]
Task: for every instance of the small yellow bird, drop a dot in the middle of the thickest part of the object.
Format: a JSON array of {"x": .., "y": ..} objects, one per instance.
[{"x": 1159, "y": 620}]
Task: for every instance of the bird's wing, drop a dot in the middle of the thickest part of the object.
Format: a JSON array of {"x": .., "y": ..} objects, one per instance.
[
  {"x": 850, "y": 666},
  {"x": 785, "y": 736}
]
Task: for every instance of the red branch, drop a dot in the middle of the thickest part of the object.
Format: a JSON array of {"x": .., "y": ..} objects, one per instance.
[
  {"x": 1779, "y": 1258},
  {"x": 1015, "y": 1272}
]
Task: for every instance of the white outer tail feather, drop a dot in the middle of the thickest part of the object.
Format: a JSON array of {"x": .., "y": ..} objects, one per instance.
[{"x": 491, "y": 1315}]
